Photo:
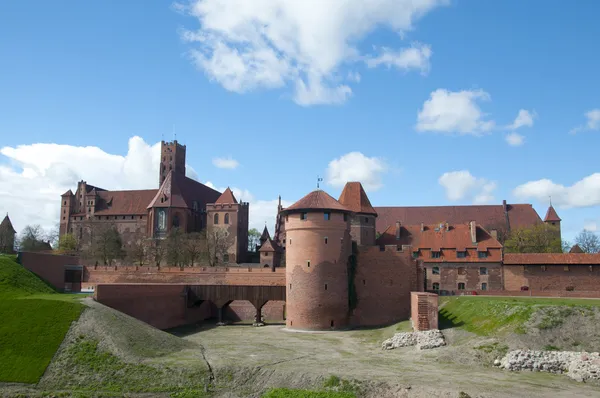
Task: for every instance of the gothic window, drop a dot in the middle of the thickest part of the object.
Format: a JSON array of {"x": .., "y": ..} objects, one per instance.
[
  {"x": 216, "y": 219},
  {"x": 226, "y": 218},
  {"x": 161, "y": 220}
]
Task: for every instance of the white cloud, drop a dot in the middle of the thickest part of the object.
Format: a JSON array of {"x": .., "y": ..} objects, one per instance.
[
  {"x": 454, "y": 112},
  {"x": 415, "y": 57},
  {"x": 355, "y": 166},
  {"x": 523, "y": 119},
  {"x": 583, "y": 193},
  {"x": 515, "y": 139},
  {"x": 225, "y": 163},
  {"x": 246, "y": 45},
  {"x": 593, "y": 122},
  {"x": 591, "y": 226},
  {"x": 354, "y": 77},
  {"x": 36, "y": 175},
  {"x": 461, "y": 185}
]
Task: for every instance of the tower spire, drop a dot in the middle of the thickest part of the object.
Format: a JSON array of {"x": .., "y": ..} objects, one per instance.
[{"x": 319, "y": 179}]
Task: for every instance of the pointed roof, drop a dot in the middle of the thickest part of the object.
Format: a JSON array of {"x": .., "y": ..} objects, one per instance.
[
  {"x": 355, "y": 198},
  {"x": 226, "y": 197},
  {"x": 265, "y": 235},
  {"x": 268, "y": 246},
  {"x": 317, "y": 200},
  {"x": 68, "y": 193},
  {"x": 576, "y": 249},
  {"x": 6, "y": 225},
  {"x": 551, "y": 215},
  {"x": 177, "y": 190}
]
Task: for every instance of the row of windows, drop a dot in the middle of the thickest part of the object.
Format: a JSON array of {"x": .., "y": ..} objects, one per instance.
[
  {"x": 225, "y": 219},
  {"x": 108, "y": 218},
  {"x": 459, "y": 254},
  {"x": 326, "y": 216},
  {"x": 460, "y": 286},
  {"x": 461, "y": 271}
]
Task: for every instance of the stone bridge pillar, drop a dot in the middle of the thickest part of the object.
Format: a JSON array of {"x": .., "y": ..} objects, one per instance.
[
  {"x": 258, "y": 304},
  {"x": 222, "y": 303}
]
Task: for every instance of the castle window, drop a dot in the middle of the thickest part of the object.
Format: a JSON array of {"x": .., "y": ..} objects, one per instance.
[
  {"x": 195, "y": 205},
  {"x": 64, "y": 211},
  {"x": 80, "y": 232},
  {"x": 331, "y": 323},
  {"x": 326, "y": 286},
  {"x": 381, "y": 248},
  {"x": 290, "y": 286},
  {"x": 65, "y": 203},
  {"x": 290, "y": 241},
  {"x": 141, "y": 217},
  {"x": 308, "y": 263},
  {"x": 303, "y": 216},
  {"x": 415, "y": 254},
  {"x": 132, "y": 217},
  {"x": 123, "y": 217},
  {"x": 327, "y": 216},
  {"x": 484, "y": 286},
  {"x": 366, "y": 220},
  {"x": 364, "y": 282},
  {"x": 398, "y": 248},
  {"x": 482, "y": 254},
  {"x": 176, "y": 221},
  {"x": 436, "y": 286},
  {"x": 64, "y": 218},
  {"x": 461, "y": 286},
  {"x": 461, "y": 254},
  {"x": 216, "y": 219},
  {"x": 543, "y": 268},
  {"x": 566, "y": 268},
  {"x": 345, "y": 217},
  {"x": 435, "y": 271},
  {"x": 286, "y": 218},
  {"x": 483, "y": 271},
  {"x": 266, "y": 254},
  {"x": 225, "y": 258},
  {"x": 325, "y": 240},
  {"x": 226, "y": 219},
  {"x": 435, "y": 254}
]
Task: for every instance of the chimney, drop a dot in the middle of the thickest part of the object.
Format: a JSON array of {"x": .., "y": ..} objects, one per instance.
[
  {"x": 422, "y": 227},
  {"x": 473, "y": 229},
  {"x": 504, "y": 205},
  {"x": 447, "y": 227},
  {"x": 398, "y": 226},
  {"x": 494, "y": 233}
]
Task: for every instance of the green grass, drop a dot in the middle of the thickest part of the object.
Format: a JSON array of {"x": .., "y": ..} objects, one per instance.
[
  {"x": 489, "y": 315},
  {"x": 34, "y": 321},
  {"x": 288, "y": 393}
]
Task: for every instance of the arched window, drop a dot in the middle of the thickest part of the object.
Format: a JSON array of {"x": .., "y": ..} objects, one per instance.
[
  {"x": 226, "y": 219},
  {"x": 436, "y": 286},
  {"x": 216, "y": 219}
]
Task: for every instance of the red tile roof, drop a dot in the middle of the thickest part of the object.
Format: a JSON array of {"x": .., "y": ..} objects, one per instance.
[
  {"x": 551, "y": 258},
  {"x": 576, "y": 249},
  {"x": 551, "y": 215},
  {"x": 6, "y": 225},
  {"x": 180, "y": 191},
  {"x": 457, "y": 237},
  {"x": 226, "y": 197},
  {"x": 124, "y": 202},
  {"x": 355, "y": 198},
  {"x": 68, "y": 193},
  {"x": 317, "y": 200},
  {"x": 488, "y": 216},
  {"x": 268, "y": 246}
]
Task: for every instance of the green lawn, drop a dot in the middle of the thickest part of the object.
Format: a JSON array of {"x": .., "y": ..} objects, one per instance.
[
  {"x": 34, "y": 321},
  {"x": 485, "y": 315}
]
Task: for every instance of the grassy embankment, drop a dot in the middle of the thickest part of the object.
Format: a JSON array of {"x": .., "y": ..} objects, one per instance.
[
  {"x": 486, "y": 315},
  {"x": 34, "y": 321}
]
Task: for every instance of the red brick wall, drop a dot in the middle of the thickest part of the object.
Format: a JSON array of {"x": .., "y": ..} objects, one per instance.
[
  {"x": 553, "y": 278},
  {"x": 384, "y": 281},
  {"x": 244, "y": 311},
  {"x": 424, "y": 311},
  {"x": 449, "y": 276},
  {"x": 49, "y": 267}
]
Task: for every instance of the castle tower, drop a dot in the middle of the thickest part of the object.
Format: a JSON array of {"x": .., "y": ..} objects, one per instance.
[
  {"x": 362, "y": 223},
  {"x": 172, "y": 157},
  {"x": 553, "y": 220},
  {"x": 318, "y": 247},
  {"x": 7, "y": 236},
  {"x": 231, "y": 216},
  {"x": 66, "y": 209}
]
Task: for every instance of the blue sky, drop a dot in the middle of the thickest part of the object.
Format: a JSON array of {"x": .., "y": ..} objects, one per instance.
[{"x": 98, "y": 73}]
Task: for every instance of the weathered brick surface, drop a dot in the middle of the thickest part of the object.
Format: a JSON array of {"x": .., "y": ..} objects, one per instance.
[
  {"x": 48, "y": 267},
  {"x": 317, "y": 271},
  {"x": 451, "y": 274},
  {"x": 552, "y": 277},
  {"x": 383, "y": 283},
  {"x": 424, "y": 311},
  {"x": 244, "y": 311}
]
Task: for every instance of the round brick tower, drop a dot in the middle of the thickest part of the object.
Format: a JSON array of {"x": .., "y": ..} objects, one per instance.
[{"x": 318, "y": 245}]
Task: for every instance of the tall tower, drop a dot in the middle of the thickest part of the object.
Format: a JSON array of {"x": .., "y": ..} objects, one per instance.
[
  {"x": 67, "y": 200},
  {"x": 172, "y": 157},
  {"x": 362, "y": 222},
  {"x": 318, "y": 248},
  {"x": 553, "y": 220}
]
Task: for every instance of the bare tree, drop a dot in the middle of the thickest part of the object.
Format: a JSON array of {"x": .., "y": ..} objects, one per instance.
[
  {"x": 157, "y": 251},
  {"x": 588, "y": 241},
  {"x": 193, "y": 245},
  {"x": 105, "y": 242},
  {"x": 53, "y": 236},
  {"x": 175, "y": 247},
  {"x": 253, "y": 239},
  {"x": 32, "y": 239},
  {"x": 217, "y": 245},
  {"x": 138, "y": 250}
]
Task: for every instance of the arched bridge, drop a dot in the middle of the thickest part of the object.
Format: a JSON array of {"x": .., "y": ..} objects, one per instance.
[{"x": 222, "y": 295}]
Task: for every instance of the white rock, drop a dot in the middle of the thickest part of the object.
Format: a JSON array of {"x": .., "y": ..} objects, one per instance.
[
  {"x": 580, "y": 366},
  {"x": 423, "y": 340}
]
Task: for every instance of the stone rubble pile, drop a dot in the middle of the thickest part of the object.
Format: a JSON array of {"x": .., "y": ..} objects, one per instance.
[
  {"x": 423, "y": 340},
  {"x": 580, "y": 366}
]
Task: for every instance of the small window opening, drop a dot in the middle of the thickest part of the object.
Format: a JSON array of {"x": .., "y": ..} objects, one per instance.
[
  {"x": 308, "y": 263},
  {"x": 325, "y": 240},
  {"x": 461, "y": 286},
  {"x": 482, "y": 254},
  {"x": 303, "y": 216},
  {"x": 435, "y": 271},
  {"x": 331, "y": 323},
  {"x": 484, "y": 286},
  {"x": 435, "y": 254},
  {"x": 483, "y": 271},
  {"x": 290, "y": 286},
  {"x": 436, "y": 286},
  {"x": 364, "y": 282},
  {"x": 326, "y": 286},
  {"x": 327, "y": 216}
]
